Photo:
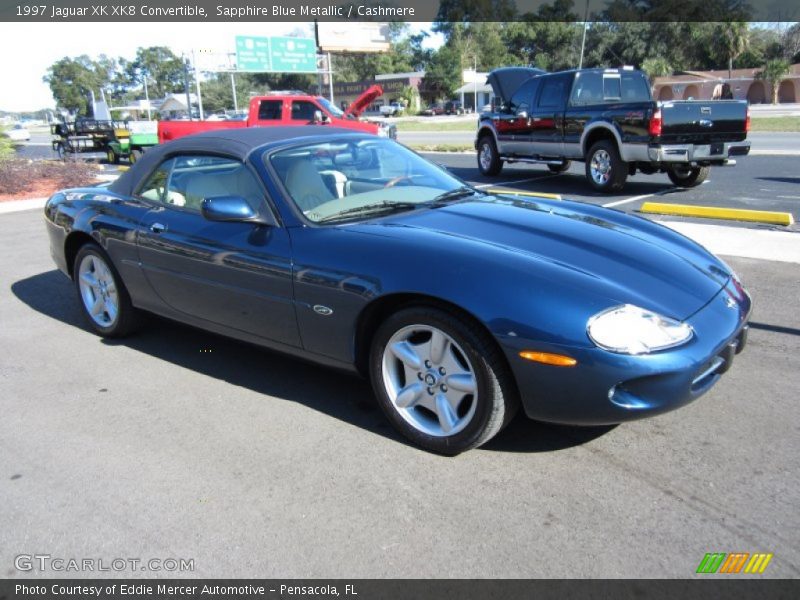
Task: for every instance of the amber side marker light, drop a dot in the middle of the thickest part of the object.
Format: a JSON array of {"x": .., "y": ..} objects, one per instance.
[{"x": 558, "y": 360}]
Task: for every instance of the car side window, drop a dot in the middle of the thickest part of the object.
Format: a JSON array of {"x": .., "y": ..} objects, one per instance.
[
  {"x": 588, "y": 89},
  {"x": 552, "y": 93},
  {"x": 612, "y": 87},
  {"x": 523, "y": 97},
  {"x": 155, "y": 186},
  {"x": 270, "y": 110},
  {"x": 303, "y": 110},
  {"x": 195, "y": 178}
]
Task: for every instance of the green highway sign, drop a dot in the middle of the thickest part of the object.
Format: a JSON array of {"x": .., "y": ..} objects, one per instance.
[{"x": 276, "y": 54}]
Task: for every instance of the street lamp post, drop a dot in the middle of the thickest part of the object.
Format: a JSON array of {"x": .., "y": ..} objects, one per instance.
[{"x": 475, "y": 86}]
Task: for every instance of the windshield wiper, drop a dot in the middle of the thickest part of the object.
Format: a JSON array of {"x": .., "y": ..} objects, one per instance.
[
  {"x": 384, "y": 206},
  {"x": 446, "y": 197}
]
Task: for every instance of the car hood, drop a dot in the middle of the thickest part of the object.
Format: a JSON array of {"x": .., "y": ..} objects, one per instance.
[
  {"x": 606, "y": 253},
  {"x": 360, "y": 104},
  {"x": 507, "y": 80}
]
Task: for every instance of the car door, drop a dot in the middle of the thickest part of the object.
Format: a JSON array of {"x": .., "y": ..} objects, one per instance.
[
  {"x": 234, "y": 274},
  {"x": 513, "y": 125},
  {"x": 546, "y": 130}
]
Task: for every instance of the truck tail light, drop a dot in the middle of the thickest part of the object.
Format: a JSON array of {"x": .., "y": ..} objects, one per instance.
[
  {"x": 747, "y": 121},
  {"x": 655, "y": 123}
]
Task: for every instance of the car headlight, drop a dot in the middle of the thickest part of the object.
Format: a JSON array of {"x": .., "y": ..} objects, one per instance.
[{"x": 628, "y": 329}]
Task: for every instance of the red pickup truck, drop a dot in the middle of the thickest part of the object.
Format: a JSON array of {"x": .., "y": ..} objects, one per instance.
[{"x": 289, "y": 108}]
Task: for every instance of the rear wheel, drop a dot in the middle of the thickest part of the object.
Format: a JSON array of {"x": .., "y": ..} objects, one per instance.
[
  {"x": 489, "y": 162},
  {"x": 685, "y": 176},
  {"x": 605, "y": 170},
  {"x": 440, "y": 380},
  {"x": 103, "y": 297},
  {"x": 563, "y": 167}
]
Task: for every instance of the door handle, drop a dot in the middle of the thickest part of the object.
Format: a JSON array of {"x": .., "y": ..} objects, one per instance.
[{"x": 158, "y": 228}]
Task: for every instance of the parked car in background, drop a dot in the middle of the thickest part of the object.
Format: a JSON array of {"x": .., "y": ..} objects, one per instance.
[
  {"x": 437, "y": 108},
  {"x": 607, "y": 118},
  {"x": 283, "y": 108},
  {"x": 453, "y": 107},
  {"x": 352, "y": 251},
  {"x": 392, "y": 109},
  {"x": 17, "y": 133}
]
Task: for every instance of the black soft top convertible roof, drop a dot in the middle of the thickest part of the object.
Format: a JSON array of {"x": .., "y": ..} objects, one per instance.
[{"x": 236, "y": 143}]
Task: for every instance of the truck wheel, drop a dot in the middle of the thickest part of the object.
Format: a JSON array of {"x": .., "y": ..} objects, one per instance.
[
  {"x": 563, "y": 167},
  {"x": 684, "y": 176},
  {"x": 489, "y": 162},
  {"x": 605, "y": 170}
]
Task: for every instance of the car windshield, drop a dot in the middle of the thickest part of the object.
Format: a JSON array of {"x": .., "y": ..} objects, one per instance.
[
  {"x": 358, "y": 178},
  {"x": 331, "y": 108}
]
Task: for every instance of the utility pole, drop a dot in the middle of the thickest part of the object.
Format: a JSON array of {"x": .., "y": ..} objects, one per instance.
[
  {"x": 186, "y": 86},
  {"x": 583, "y": 40},
  {"x": 233, "y": 90},
  {"x": 197, "y": 86},
  {"x": 330, "y": 77},
  {"x": 147, "y": 97}
]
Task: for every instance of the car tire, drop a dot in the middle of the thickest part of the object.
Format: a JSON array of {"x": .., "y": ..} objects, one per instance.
[
  {"x": 103, "y": 297},
  {"x": 562, "y": 168},
  {"x": 442, "y": 419},
  {"x": 605, "y": 170},
  {"x": 688, "y": 177},
  {"x": 489, "y": 162}
]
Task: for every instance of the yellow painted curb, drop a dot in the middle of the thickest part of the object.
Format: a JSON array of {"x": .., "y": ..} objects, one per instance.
[
  {"x": 122, "y": 168},
  {"x": 711, "y": 212},
  {"x": 517, "y": 193}
]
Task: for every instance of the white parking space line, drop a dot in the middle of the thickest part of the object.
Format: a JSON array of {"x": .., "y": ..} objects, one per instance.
[
  {"x": 508, "y": 183},
  {"x": 642, "y": 197}
]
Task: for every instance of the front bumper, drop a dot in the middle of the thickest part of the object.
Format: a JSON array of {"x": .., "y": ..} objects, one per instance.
[{"x": 607, "y": 388}]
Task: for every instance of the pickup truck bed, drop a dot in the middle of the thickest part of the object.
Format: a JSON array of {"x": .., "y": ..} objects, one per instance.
[{"x": 608, "y": 119}]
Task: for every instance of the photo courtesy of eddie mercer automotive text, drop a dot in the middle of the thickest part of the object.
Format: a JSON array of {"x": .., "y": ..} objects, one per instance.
[{"x": 314, "y": 242}]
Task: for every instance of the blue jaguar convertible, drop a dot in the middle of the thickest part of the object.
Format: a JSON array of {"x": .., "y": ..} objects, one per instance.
[{"x": 351, "y": 251}]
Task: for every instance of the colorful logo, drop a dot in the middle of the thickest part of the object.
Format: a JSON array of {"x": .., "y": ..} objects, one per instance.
[{"x": 736, "y": 562}]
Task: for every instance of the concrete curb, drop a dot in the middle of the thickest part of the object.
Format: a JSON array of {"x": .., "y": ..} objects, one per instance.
[
  {"x": 12, "y": 206},
  {"x": 714, "y": 212},
  {"x": 762, "y": 244}
]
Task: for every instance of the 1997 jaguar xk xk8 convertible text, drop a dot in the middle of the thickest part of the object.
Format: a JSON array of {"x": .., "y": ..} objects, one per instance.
[{"x": 351, "y": 251}]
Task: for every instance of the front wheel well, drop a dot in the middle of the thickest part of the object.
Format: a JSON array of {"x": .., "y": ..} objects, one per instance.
[
  {"x": 381, "y": 308},
  {"x": 74, "y": 242}
]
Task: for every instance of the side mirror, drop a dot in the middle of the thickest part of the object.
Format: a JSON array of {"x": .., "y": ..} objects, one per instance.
[
  {"x": 523, "y": 114},
  {"x": 320, "y": 117},
  {"x": 228, "y": 209}
]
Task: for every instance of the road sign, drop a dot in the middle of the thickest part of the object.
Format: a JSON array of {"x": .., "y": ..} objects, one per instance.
[{"x": 276, "y": 54}]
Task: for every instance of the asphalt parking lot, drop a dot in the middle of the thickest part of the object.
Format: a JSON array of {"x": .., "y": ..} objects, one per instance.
[
  {"x": 756, "y": 183},
  {"x": 176, "y": 443}
]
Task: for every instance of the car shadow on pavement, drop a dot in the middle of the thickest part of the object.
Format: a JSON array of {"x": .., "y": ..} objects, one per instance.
[
  {"x": 781, "y": 179},
  {"x": 328, "y": 391}
]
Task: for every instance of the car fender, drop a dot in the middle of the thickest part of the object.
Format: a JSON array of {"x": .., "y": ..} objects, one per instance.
[
  {"x": 482, "y": 129},
  {"x": 599, "y": 125}
]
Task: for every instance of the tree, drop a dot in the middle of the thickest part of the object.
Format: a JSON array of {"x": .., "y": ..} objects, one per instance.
[
  {"x": 656, "y": 67},
  {"x": 734, "y": 38},
  {"x": 73, "y": 80},
  {"x": 6, "y": 146},
  {"x": 163, "y": 69},
  {"x": 773, "y": 73}
]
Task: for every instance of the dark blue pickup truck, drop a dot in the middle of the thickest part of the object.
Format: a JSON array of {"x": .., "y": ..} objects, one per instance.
[{"x": 608, "y": 119}]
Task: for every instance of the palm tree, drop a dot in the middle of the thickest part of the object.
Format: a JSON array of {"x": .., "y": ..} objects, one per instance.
[
  {"x": 656, "y": 67},
  {"x": 735, "y": 38},
  {"x": 773, "y": 72}
]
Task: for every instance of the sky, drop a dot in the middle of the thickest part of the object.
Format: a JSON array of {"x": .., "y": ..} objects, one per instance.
[{"x": 28, "y": 49}]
